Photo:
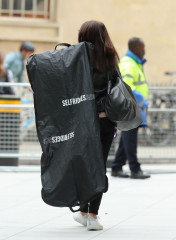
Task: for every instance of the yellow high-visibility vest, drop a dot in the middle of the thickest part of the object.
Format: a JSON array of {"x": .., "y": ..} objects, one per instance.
[{"x": 132, "y": 73}]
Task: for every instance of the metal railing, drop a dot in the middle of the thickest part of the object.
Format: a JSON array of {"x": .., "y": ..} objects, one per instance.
[
  {"x": 19, "y": 139},
  {"x": 18, "y": 136},
  {"x": 157, "y": 141}
]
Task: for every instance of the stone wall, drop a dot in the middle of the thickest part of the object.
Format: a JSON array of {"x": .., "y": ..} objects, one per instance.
[{"x": 154, "y": 21}]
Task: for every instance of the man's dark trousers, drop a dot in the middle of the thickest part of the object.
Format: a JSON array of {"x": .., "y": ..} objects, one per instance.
[{"x": 127, "y": 151}]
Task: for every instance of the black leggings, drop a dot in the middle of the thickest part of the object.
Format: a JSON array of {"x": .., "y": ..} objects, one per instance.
[{"x": 107, "y": 129}]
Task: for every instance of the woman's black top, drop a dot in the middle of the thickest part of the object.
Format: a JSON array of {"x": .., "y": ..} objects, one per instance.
[{"x": 100, "y": 81}]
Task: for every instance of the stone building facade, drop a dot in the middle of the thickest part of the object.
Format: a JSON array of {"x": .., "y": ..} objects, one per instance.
[{"x": 47, "y": 22}]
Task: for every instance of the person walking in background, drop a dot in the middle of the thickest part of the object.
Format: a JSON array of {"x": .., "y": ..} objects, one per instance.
[
  {"x": 15, "y": 61},
  {"x": 5, "y": 76},
  {"x": 131, "y": 68},
  {"x": 105, "y": 61}
]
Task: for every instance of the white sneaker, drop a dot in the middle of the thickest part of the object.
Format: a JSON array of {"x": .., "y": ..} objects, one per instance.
[
  {"x": 93, "y": 224},
  {"x": 78, "y": 217}
]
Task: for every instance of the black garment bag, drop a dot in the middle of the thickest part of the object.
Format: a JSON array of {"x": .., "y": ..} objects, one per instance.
[{"x": 72, "y": 168}]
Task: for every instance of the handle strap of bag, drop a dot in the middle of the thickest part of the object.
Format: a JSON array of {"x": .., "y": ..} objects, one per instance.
[
  {"x": 111, "y": 79},
  {"x": 62, "y": 44},
  {"x": 75, "y": 210},
  {"x": 118, "y": 71}
]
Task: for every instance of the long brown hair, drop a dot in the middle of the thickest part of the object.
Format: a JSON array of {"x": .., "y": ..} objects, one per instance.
[{"x": 105, "y": 55}]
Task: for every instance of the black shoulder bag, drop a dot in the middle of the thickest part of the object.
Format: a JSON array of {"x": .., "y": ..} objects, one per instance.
[{"x": 121, "y": 105}]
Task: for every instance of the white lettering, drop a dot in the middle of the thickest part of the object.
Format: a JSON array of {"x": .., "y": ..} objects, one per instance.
[
  {"x": 53, "y": 139},
  {"x": 72, "y": 101},
  {"x": 63, "y": 102},
  {"x": 83, "y": 98},
  {"x": 57, "y": 139}
]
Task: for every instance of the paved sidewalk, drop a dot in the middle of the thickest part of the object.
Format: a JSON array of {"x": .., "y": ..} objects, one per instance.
[{"x": 131, "y": 210}]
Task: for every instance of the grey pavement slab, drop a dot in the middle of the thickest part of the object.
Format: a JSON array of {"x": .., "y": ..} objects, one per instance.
[
  {"x": 130, "y": 210},
  {"x": 156, "y": 168},
  {"x": 150, "y": 152}
]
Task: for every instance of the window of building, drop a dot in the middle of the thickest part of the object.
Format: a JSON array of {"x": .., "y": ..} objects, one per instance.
[{"x": 27, "y": 8}]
